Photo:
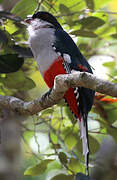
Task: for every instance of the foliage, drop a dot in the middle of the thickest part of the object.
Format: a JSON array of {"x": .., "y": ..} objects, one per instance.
[{"x": 52, "y": 138}]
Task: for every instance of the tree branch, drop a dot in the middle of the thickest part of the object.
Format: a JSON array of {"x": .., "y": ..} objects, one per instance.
[{"x": 61, "y": 84}]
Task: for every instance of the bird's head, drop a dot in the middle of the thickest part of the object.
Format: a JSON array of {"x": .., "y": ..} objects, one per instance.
[{"x": 42, "y": 19}]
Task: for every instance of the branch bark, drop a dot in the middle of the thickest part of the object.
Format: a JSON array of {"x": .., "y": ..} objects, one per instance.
[{"x": 61, "y": 84}]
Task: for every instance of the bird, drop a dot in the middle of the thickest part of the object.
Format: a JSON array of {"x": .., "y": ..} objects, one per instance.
[{"x": 56, "y": 53}]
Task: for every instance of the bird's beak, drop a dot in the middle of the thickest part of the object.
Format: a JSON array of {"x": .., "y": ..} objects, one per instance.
[{"x": 28, "y": 20}]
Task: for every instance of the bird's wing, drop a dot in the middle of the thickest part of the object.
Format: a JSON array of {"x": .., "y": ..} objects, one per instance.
[{"x": 76, "y": 61}]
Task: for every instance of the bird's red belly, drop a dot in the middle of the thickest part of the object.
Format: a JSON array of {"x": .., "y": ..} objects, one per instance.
[{"x": 55, "y": 69}]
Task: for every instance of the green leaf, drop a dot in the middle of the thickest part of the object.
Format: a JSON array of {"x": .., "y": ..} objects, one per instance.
[
  {"x": 63, "y": 177},
  {"x": 39, "y": 168},
  {"x": 24, "y": 8},
  {"x": 70, "y": 114},
  {"x": 66, "y": 11},
  {"x": 105, "y": 31},
  {"x": 55, "y": 121},
  {"x": 111, "y": 110},
  {"x": 10, "y": 63},
  {"x": 90, "y": 4},
  {"x": 10, "y": 27},
  {"x": 79, "y": 144},
  {"x": 84, "y": 33},
  {"x": 70, "y": 141},
  {"x": 113, "y": 132},
  {"x": 63, "y": 158},
  {"x": 101, "y": 15},
  {"x": 91, "y": 22},
  {"x": 100, "y": 3},
  {"x": 47, "y": 111},
  {"x": 109, "y": 64},
  {"x": 28, "y": 135},
  {"x": 83, "y": 46},
  {"x": 53, "y": 137},
  {"x": 18, "y": 81},
  {"x": 74, "y": 165},
  {"x": 93, "y": 144},
  {"x": 74, "y": 5},
  {"x": 114, "y": 35}
]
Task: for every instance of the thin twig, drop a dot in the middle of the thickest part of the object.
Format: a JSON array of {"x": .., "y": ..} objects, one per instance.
[{"x": 38, "y": 5}]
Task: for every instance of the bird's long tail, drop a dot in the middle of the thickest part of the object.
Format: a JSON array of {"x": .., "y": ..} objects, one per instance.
[
  {"x": 75, "y": 100},
  {"x": 72, "y": 99},
  {"x": 85, "y": 142}
]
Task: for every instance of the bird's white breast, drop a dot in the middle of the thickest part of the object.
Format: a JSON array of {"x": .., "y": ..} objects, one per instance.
[{"x": 41, "y": 41}]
